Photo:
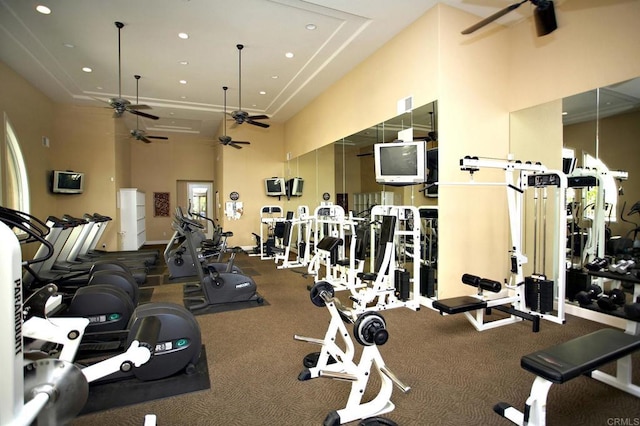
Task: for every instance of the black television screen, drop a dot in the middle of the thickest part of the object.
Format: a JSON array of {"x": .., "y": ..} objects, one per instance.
[
  {"x": 67, "y": 182},
  {"x": 275, "y": 186},
  {"x": 294, "y": 187},
  {"x": 400, "y": 163}
]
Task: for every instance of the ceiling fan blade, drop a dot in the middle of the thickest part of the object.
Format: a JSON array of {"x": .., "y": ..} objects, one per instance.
[
  {"x": 257, "y": 123},
  {"x": 258, "y": 117},
  {"x": 493, "y": 17},
  {"x": 242, "y": 142},
  {"x": 144, "y": 139},
  {"x": 159, "y": 137},
  {"x": 233, "y": 144},
  {"x": 143, "y": 114},
  {"x": 139, "y": 106}
]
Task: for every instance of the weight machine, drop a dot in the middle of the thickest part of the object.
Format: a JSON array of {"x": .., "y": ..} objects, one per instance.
[
  {"x": 301, "y": 225},
  {"x": 521, "y": 301},
  {"x": 270, "y": 216}
]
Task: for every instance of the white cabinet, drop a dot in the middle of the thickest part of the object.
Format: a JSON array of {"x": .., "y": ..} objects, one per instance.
[{"x": 132, "y": 219}]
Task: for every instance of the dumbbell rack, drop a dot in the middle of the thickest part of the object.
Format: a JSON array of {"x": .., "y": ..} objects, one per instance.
[{"x": 632, "y": 327}]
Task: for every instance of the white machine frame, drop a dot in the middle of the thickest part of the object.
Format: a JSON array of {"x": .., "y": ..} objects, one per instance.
[{"x": 346, "y": 369}]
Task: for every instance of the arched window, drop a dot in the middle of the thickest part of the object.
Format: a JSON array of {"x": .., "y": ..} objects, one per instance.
[{"x": 15, "y": 190}]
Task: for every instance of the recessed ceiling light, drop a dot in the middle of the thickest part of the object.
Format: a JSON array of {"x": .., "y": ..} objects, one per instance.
[
  {"x": 43, "y": 9},
  {"x": 183, "y": 97},
  {"x": 69, "y": 45},
  {"x": 183, "y": 81},
  {"x": 171, "y": 113},
  {"x": 262, "y": 92},
  {"x": 86, "y": 69},
  {"x": 184, "y": 62},
  {"x": 311, "y": 27},
  {"x": 289, "y": 55},
  {"x": 183, "y": 36},
  {"x": 99, "y": 87},
  {"x": 564, "y": 113},
  {"x": 274, "y": 77}
]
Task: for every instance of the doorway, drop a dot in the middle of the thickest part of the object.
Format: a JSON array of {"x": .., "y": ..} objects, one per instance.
[{"x": 196, "y": 197}]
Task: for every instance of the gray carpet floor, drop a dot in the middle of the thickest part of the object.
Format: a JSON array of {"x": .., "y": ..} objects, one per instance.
[{"x": 456, "y": 373}]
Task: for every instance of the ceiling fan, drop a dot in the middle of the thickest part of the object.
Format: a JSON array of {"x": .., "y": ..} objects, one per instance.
[
  {"x": 224, "y": 139},
  {"x": 138, "y": 133},
  {"x": 241, "y": 116},
  {"x": 119, "y": 104},
  {"x": 544, "y": 15}
]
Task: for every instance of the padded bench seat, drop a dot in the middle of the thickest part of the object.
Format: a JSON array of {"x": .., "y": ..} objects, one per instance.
[
  {"x": 456, "y": 305},
  {"x": 569, "y": 360}
]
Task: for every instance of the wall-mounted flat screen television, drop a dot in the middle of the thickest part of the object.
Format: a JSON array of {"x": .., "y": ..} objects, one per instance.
[
  {"x": 67, "y": 182},
  {"x": 275, "y": 186},
  {"x": 400, "y": 163},
  {"x": 294, "y": 187}
]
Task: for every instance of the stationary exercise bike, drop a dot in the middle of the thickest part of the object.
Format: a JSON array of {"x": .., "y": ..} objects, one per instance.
[
  {"x": 216, "y": 286},
  {"x": 178, "y": 257}
]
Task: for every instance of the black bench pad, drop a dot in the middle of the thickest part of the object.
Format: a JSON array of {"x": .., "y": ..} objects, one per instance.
[
  {"x": 584, "y": 354},
  {"x": 456, "y": 305}
]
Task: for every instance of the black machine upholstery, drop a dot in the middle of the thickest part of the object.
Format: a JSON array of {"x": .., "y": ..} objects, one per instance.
[
  {"x": 584, "y": 354},
  {"x": 457, "y": 305},
  {"x": 331, "y": 245},
  {"x": 387, "y": 234}
]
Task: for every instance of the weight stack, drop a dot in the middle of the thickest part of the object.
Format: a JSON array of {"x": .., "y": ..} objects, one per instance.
[
  {"x": 538, "y": 293},
  {"x": 427, "y": 281},
  {"x": 402, "y": 284},
  {"x": 577, "y": 281}
]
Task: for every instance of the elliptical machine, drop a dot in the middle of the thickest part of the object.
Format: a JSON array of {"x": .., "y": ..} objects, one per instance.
[
  {"x": 112, "y": 320},
  {"x": 216, "y": 287}
]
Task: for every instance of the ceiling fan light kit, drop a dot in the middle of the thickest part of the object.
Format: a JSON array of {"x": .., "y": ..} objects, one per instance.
[
  {"x": 241, "y": 116},
  {"x": 138, "y": 133},
  {"x": 224, "y": 139},
  {"x": 119, "y": 104}
]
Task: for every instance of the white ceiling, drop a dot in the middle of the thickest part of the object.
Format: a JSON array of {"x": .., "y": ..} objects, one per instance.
[{"x": 347, "y": 32}]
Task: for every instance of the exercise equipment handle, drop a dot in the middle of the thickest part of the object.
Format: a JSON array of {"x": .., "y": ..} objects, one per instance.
[
  {"x": 148, "y": 332},
  {"x": 404, "y": 388}
]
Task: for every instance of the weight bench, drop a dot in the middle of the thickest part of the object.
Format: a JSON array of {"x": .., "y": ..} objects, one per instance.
[
  {"x": 479, "y": 304},
  {"x": 569, "y": 360}
]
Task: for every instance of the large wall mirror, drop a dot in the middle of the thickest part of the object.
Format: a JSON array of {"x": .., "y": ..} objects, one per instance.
[
  {"x": 354, "y": 161},
  {"x": 601, "y": 127},
  {"x": 345, "y": 168}
]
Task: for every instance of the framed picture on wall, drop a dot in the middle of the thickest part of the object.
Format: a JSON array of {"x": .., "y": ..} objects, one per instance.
[{"x": 161, "y": 204}]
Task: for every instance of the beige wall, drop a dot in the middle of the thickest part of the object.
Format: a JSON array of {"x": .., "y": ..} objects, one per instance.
[
  {"x": 158, "y": 166},
  {"x": 244, "y": 172},
  {"x": 478, "y": 80}
]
